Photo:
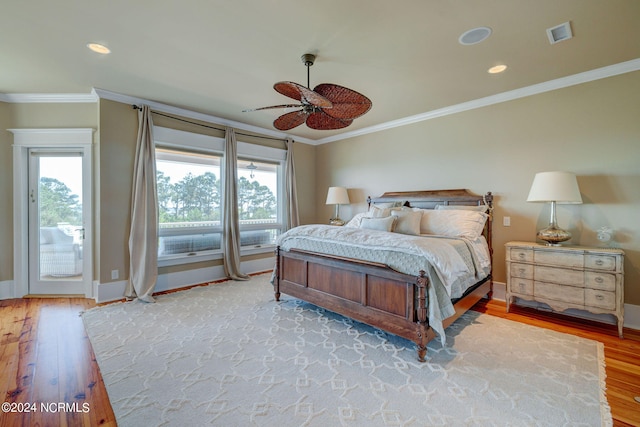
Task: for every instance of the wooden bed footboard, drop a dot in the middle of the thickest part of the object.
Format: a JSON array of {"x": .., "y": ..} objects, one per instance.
[
  {"x": 374, "y": 293},
  {"x": 367, "y": 292}
]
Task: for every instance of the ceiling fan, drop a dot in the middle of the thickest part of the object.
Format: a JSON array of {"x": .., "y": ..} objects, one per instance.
[{"x": 328, "y": 106}]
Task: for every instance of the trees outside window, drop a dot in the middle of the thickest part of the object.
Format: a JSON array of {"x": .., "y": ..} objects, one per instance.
[{"x": 190, "y": 202}]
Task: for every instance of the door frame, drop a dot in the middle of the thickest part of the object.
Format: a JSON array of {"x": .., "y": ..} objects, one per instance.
[{"x": 79, "y": 139}]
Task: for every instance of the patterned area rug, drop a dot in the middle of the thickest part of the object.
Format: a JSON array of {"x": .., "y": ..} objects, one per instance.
[{"x": 229, "y": 355}]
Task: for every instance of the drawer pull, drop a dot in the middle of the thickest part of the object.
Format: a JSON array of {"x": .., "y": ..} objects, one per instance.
[
  {"x": 599, "y": 279},
  {"x": 599, "y": 297},
  {"x": 599, "y": 262},
  {"x": 521, "y": 270},
  {"x": 521, "y": 255}
]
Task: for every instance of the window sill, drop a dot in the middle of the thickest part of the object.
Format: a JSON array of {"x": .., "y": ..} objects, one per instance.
[{"x": 201, "y": 257}]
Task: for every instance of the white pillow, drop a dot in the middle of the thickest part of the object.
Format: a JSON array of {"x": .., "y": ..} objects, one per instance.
[
  {"x": 480, "y": 208},
  {"x": 378, "y": 212},
  {"x": 453, "y": 223},
  {"x": 408, "y": 221},
  {"x": 355, "y": 221},
  {"x": 380, "y": 224}
]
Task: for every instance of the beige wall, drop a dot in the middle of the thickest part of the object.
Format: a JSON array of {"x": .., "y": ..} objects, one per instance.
[
  {"x": 6, "y": 192},
  {"x": 592, "y": 129}
]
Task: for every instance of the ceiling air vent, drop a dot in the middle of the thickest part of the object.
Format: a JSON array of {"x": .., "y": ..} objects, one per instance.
[{"x": 559, "y": 33}]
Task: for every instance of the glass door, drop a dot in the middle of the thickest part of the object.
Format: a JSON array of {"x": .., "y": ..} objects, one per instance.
[{"x": 56, "y": 223}]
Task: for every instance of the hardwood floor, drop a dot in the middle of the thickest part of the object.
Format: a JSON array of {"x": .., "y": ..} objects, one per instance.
[{"x": 46, "y": 358}]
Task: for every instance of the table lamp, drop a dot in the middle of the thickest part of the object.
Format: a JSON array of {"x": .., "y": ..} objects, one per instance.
[
  {"x": 337, "y": 196},
  {"x": 554, "y": 187}
]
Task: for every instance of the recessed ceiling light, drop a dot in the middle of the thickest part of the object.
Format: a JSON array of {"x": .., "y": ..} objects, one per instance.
[
  {"x": 475, "y": 35},
  {"x": 497, "y": 69},
  {"x": 99, "y": 48}
]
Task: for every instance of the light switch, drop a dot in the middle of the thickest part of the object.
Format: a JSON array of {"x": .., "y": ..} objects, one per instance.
[{"x": 506, "y": 221}]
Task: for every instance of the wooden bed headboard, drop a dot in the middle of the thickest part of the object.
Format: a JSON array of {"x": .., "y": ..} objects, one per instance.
[{"x": 429, "y": 199}]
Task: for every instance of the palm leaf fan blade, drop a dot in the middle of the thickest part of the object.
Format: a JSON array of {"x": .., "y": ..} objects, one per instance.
[
  {"x": 290, "y": 120},
  {"x": 306, "y": 96},
  {"x": 322, "y": 121},
  {"x": 347, "y": 103}
]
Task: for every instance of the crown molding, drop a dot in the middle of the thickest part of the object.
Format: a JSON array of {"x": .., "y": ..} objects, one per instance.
[
  {"x": 563, "y": 82},
  {"x": 49, "y": 98},
  {"x": 169, "y": 109}
]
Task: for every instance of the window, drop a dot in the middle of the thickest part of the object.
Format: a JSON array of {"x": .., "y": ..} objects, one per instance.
[
  {"x": 190, "y": 172},
  {"x": 258, "y": 198},
  {"x": 189, "y": 202}
]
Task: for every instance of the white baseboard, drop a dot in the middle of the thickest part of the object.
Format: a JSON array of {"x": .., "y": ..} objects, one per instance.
[
  {"x": 631, "y": 312},
  {"x": 114, "y": 291},
  {"x": 7, "y": 289}
]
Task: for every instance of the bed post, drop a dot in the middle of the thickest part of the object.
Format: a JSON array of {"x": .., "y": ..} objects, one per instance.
[
  {"x": 276, "y": 284},
  {"x": 488, "y": 201},
  {"x": 423, "y": 323}
]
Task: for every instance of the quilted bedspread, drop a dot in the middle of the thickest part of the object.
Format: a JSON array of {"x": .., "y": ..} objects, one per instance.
[{"x": 449, "y": 262}]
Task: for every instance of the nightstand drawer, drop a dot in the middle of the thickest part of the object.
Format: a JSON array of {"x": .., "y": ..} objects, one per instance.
[
  {"x": 561, "y": 276},
  {"x": 523, "y": 271},
  {"x": 562, "y": 293},
  {"x": 600, "y": 262},
  {"x": 559, "y": 258},
  {"x": 521, "y": 286},
  {"x": 600, "y": 299},
  {"x": 524, "y": 255},
  {"x": 602, "y": 281}
]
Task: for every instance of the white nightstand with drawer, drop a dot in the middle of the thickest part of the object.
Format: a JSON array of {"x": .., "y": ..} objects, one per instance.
[{"x": 564, "y": 277}]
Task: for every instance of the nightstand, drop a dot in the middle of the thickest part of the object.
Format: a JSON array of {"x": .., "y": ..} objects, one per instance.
[{"x": 564, "y": 277}]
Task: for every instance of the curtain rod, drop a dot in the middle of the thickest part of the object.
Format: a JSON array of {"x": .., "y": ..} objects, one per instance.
[{"x": 135, "y": 107}]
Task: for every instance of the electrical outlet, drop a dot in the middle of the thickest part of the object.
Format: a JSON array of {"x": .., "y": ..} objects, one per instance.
[
  {"x": 115, "y": 274},
  {"x": 506, "y": 221}
]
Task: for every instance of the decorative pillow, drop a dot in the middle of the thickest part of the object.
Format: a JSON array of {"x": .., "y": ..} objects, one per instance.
[
  {"x": 408, "y": 221},
  {"x": 481, "y": 208},
  {"x": 380, "y": 224},
  {"x": 377, "y": 211},
  {"x": 453, "y": 223},
  {"x": 355, "y": 221}
]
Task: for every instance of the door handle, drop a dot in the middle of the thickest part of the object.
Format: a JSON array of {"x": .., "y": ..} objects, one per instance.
[{"x": 81, "y": 230}]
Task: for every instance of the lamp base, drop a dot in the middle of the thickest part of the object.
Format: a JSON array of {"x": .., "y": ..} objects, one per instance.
[
  {"x": 553, "y": 235},
  {"x": 336, "y": 221}
]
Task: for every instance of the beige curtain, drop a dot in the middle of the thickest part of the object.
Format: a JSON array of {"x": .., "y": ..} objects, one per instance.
[
  {"x": 231, "y": 222},
  {"x": 291, "y": 195},
  {"x": 143, "y": 235}
]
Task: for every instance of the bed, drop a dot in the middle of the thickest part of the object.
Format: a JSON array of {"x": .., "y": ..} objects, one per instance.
[{"x": 406, "y": 279}]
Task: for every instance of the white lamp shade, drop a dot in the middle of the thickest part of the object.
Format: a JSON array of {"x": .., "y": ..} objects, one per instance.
[
  {"x": 337, "y": 196},
  {"x": 559, "y": 187}
]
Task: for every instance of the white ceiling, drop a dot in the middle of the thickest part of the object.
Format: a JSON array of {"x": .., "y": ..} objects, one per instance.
[{"x": 221, "y": 57}]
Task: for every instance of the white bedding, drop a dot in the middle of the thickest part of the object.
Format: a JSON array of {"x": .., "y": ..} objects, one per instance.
[{"x": 453, "y": 264}]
